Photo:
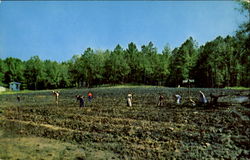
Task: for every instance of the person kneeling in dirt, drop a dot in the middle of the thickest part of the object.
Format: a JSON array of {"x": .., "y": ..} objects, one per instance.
[
  {"x": 203, "y": 99},
  {"x": 160, "y": 102},
  {"x": 129, "y": 100},
  {"x": 81, "y": 100},
  {"x": 178, "y": 99},
  {"x": 192, "y": 102}
]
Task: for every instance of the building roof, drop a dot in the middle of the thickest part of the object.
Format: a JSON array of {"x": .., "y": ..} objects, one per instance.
[{"x": 15, "y": 83}]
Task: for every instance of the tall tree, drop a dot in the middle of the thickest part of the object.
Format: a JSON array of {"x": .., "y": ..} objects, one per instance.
[
  {"x": 52, "y": 74},
  {"x": 93, "y": 63},
  {"x": 14, "y": 70},
  {"x": 64, "y": 76},
  {"x": 116, "y": 66},
  {"x": 99, "y": 59},
  {"x": 182, "y": 61},
  {"x": 34, "y": 72},
  {"x": 76, "y": 70},
  {"x": 243, "y": 34},
  {"x": 218, "y": 64},
  {"x": 3, "y": 69},
  {"x": 151, "y": 63},
  {"x": 164, "y": 69},
  {"x": 133, "y": 59}
]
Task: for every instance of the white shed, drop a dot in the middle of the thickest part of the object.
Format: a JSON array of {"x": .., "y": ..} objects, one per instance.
[
  {"x": 2, "y": 89},
  {"x": 15, "y": 86}
]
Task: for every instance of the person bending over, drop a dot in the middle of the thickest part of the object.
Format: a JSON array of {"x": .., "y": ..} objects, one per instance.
[{"x": 80, "y": 98}]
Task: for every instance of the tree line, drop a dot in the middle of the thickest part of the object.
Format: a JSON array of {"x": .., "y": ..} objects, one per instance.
[{"x": 219, "y": 63}]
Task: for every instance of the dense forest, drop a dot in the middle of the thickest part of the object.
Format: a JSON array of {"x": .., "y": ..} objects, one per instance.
[{"x": 221, "y": 62}]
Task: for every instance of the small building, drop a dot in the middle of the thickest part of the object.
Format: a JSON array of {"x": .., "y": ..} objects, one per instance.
[
  {"x": 15, "y": 86},
  {"x": 2, "y": 89}
]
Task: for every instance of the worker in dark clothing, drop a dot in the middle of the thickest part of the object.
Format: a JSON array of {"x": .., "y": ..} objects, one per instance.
[
  {"x": 161, "y": 99},
  {"x": 81, "y": 100},
  {"x": 214, "y": 99},
  {"x": 18, "y": 98}
]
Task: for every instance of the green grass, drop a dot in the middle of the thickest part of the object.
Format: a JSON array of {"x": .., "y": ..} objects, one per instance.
[
  {"x": 98, "y": 87},
  {"x": 16, "y": 92},
  {"x": 238, "y": 88},
  {"x": 14, "y": 146},
  {"x": 129, "y": 85},
  {"x": 23, "y": 91}
]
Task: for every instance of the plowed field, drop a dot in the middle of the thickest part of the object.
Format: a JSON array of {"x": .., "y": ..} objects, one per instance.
[{"x": 143, "y": 131}]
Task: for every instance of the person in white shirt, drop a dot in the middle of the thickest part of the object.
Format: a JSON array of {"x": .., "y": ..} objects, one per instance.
[
  {"x": 203, "y": 98},
  {"x": 178, "y": 99},
  {"x": 56, "y": 94},
  {"x": 129, "y": 100}
]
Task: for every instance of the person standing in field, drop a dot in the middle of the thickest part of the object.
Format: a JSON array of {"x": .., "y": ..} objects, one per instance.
[
  {"x": 56, "y": 94},
  {"x": 129, "y": 100},
  {"x": 202, "y": 98},
  {"x": 160, "y": 102},
  {"x": 81, "y": 100},
  {"x": 178, "y": 99},
  {"x": 90, "y": 96},
  {"x": 18, "y": 98}
]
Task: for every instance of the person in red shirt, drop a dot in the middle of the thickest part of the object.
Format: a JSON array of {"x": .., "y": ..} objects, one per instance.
[{"x": 90, "y": 96}]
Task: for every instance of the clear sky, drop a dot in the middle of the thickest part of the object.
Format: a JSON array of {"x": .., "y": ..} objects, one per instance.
[{"x": 57, "y": 30}]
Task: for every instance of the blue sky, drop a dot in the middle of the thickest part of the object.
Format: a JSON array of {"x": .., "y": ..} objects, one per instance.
[{"x": 57, "y": 30}]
